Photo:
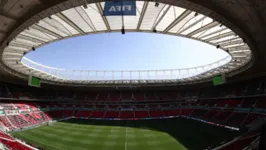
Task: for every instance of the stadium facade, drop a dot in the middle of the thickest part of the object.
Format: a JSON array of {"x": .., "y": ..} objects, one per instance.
[{"x": 69, "y": 19}]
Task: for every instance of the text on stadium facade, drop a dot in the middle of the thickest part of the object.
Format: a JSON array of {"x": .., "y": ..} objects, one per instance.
[{"x": 120, "y": 8}]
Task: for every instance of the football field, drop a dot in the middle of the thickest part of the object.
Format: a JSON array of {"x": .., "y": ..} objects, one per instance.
[{"x": 166, "y": 134}]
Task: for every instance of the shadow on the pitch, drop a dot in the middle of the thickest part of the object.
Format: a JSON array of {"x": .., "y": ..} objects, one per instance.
[{"x": 192, "y": 134}]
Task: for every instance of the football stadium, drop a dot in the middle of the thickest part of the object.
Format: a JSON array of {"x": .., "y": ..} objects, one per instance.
[{"x": 132, "y": 75}]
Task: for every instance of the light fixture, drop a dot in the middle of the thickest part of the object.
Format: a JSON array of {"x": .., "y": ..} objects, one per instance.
[
  {"x": 154, "y": 30},
  {"x": 85, "y": 6},
  {"x": 196, "y": 14},
  {"x": 33, "y": 48},
  {"x": 218, "y": 46},
  {"x": 157, "y": 4},
  {"x": 123, "y": 30}
]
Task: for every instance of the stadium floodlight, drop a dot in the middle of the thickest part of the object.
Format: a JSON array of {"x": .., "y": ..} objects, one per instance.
[
  {"x": 85, "y": 6},
  {"x": 123, "y": 30},
  {"x": 218, "y": 46},
  {"x": 157, "y": 4}
]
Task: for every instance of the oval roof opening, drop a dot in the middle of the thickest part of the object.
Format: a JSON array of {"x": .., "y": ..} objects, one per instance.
[{"x": 133, "y": 51}]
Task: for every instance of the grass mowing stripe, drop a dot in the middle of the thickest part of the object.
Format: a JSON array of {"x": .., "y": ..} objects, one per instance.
[
  {"x": 66, "y": 144},
  {"x": 169, "y": 134},
  {"x": 126, "y": 138},
  {"x": 26, "y": 138}
]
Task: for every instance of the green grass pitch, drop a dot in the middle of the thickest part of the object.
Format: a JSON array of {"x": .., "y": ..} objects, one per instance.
[{"x": 166, "y": 134}]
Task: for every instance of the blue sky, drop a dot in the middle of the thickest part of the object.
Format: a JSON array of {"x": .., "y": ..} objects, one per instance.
[{"x": 132, "y": 51}]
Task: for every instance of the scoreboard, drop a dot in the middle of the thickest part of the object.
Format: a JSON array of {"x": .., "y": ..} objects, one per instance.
[
  {"x": 218, "y": 80},
  {"x": 34, "y": 81}
]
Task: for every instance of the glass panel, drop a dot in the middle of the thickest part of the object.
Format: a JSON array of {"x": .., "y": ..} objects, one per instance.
[
  {"x": 151, "y": 15},
  {"x": 170, "y": 16},
  {"x": 76, "y": 18},
  {"x": 70, "y": 30},
  {"x": 95, "y": 17}
]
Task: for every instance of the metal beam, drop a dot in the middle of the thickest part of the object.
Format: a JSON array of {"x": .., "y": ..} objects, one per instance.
[
  {"x": 69, "y": 22},
  {"x": 12, "y": 58},
  {"x": 25, "y": 37},
  {"x": 240, "y": 53},
  {"x": 162, "y": 16},
  {"x": 21, "y": 69},
  {"x": 142, "y": 14},
  {"x": 90, "y": 23},
  {"x": 190, "y": 26},
  {"x": 100, "y": 9},
  {"x": 242, "y": 47},
  {"x": 231, "y": 43},
  {"x": 13, "y": 54},
  {"x": 219, "y": 36},
  {"x": 177, "y": 20},
  {"x": 16, "y": 49},
  {"x": 227, "y": 40},
  {"x": 13, "y": 43},
  {"x": 44, "y": 30},
  {"x": 19, "y": 65},
  {"x": 212, "y": 33},
  {"x": 206, "y": 27}
]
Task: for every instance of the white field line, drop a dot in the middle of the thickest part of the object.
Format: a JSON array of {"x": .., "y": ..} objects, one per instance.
[{"x": 126, "y": 138}]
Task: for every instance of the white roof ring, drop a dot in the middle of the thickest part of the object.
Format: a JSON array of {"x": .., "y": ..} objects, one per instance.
[{"x": 71, "y": 18}]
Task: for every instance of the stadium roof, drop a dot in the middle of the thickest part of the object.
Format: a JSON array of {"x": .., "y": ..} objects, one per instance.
[{"x": 75, "y": 17}]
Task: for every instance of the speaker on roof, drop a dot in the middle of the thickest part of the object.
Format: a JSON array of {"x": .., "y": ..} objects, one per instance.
[
  {"x": 85, "y": 6},
  {"x": 123, "y": 30}
]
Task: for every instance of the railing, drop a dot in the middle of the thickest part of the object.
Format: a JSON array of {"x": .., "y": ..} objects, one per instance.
[{"x": 94, "y": 75}]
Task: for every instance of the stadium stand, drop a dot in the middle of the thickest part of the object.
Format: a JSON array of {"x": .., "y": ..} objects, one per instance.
[
  {"x": 24, "y": 107},
  {"x": 13, "y": 144}
]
